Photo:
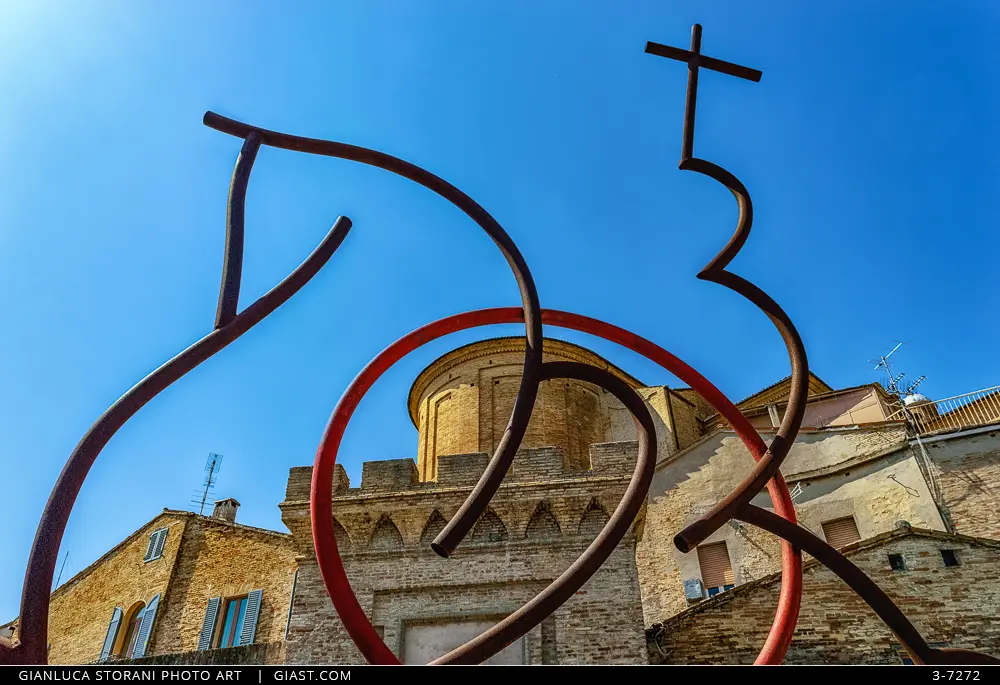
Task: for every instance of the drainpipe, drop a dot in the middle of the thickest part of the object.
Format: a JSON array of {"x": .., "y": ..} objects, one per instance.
[{"x": 291, "y": 602}]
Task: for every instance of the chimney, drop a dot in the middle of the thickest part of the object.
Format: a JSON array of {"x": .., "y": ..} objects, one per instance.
[{"x": 225, "y": 509}]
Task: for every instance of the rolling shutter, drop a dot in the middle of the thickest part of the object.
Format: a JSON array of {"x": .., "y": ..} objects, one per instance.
[
  {"x": 145, "y": 628},
  {"x": 250, "y": 618},
  {"x": 208, "y": 627},
  {"x": 841, "y": 532},
  {"x": 109, "y": 639},
  {"x": 716, "y": 569}
]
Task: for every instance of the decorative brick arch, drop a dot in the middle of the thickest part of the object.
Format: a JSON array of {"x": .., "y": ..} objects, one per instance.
[
  {"x": 386, "y": 536},
  {"x": 490, "y": 529},
  {"x": 593, "y": 520},
  {"x": 543, "y": 524},
  {"x": 435, "y": 524}
]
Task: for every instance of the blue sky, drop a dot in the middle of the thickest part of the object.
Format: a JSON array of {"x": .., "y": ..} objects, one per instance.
[{"x": 869, "y": 147}]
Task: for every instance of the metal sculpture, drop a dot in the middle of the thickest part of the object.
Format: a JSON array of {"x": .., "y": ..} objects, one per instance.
[{"x": 30, "y": 648}]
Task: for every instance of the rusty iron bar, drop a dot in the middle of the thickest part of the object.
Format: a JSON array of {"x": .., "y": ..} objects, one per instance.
[
  {"x": 232, "y": 266},
  {"x": 736, "y": 505},
  {"x": 715, "y": 271},
  {"x": 474, "y": 506}
]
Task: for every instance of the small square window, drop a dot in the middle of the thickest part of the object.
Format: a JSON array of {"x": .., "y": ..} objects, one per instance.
[
  {"x": 949, "y": 556},
  {"x": 896, "y": 562}
]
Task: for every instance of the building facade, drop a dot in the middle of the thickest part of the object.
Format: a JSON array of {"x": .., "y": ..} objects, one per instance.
[{"x": 910, "y": 498}]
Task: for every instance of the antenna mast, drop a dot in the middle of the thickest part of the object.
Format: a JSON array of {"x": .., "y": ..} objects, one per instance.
[
  {"x": 893, "y": 382},
  {"x": 62, "y": 568},
  {"x": 212, "y": 467}
]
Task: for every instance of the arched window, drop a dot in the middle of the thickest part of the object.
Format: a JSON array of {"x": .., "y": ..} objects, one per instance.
[{"x": 132, "y": 620}]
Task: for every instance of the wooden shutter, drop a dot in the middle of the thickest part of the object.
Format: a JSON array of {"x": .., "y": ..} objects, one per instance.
[
  {"x": 152, "y": 546},
  {"x": 250, "y": 617},
  {"x": 208, "y": 627},
  {"x": 716, "y": 569},
  {"x": 156, "y": 541},
  {"x": 160, "y": 542},
  {"x": 841, "y": 532},
  {"x": 109, "y": 639},
  {"x": 145, "y": 628}
]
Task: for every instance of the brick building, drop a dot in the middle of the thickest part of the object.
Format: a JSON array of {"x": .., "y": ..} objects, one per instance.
[{"x": 916, "y": 509}]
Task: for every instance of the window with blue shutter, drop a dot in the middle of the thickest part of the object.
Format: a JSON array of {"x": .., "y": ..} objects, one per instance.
[
  {"x": 145, "y": 628},
  {"x": 157, "y": 539},
  {"x": 250, "y": 620},
  {"x": 238, "y": 617},
  {"x": 208, "y": 627},
  {"x": 109, "y": 639}
]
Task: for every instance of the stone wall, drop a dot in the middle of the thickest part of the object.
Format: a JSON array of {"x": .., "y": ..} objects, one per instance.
[
  {"x": 540, "y": 521},
  {"x": 950, "y": 606},
  {"x": 81, "y": 608},
  {"x": 220, "y": 559},
  {"x": 257, "y": 653},
  {"x": 966, "y": 470},
  {"x": 202, "y": 558},
  {"x": 867, "y": 473}
]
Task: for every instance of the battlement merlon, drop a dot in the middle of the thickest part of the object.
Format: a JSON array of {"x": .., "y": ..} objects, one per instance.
[{"x": 534, "y": 465}]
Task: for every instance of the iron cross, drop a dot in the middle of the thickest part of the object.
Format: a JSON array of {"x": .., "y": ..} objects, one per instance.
[{"x": 695, "y": 60}]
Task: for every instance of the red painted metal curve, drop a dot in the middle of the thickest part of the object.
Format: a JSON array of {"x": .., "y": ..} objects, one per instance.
[{"x": 331, "y": 566}]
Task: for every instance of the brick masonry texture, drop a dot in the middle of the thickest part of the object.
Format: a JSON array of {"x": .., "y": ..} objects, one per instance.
[
  {"x": 569, "y": 475},
  {"x": 225, "y": 560},
  {"x": 81, "y": 608},
  {"x": 541, "y": 520},
  {"x": 950, "y": 606},
  {"x": 257, "y": 653},
  {"x": 462, "y": 402},
  {"x": 869, "y": 474},
  {"x": 966, "y": 469},
  {"x": 202, "y": 558}
]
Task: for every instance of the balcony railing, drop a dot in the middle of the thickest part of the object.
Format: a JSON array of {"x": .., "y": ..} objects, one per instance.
[{"x": 971, "y": 410}]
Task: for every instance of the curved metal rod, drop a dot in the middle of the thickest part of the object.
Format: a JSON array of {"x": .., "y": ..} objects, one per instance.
[
  {"x": 328, "y": 558},
  {"x": 33, "y": 626},
  {"x": 474, "y": 506},
  {"x": 865, "y": 587},
  {"x": 790, "y": 597},
  {"x": 572, "y": 579},
  {"x": 767, "y": 467},
  {"x": 232, "y": 266}
]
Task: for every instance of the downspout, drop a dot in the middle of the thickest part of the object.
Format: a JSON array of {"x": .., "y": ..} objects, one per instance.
[{"x": 291, "y": 603}]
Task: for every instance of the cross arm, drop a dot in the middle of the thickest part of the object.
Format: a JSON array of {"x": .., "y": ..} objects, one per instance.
[{"x": 702, "y": 61}]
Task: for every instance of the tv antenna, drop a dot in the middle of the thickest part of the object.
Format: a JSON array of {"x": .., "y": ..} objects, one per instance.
[
  {"x": 212, "y": 467},
  {"x": 893, "y": 382},
  {"x": 913, "y": 386}
]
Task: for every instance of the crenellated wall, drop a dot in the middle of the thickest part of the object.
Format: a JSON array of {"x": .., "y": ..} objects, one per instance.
[{"x": 542, "y": 518}]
